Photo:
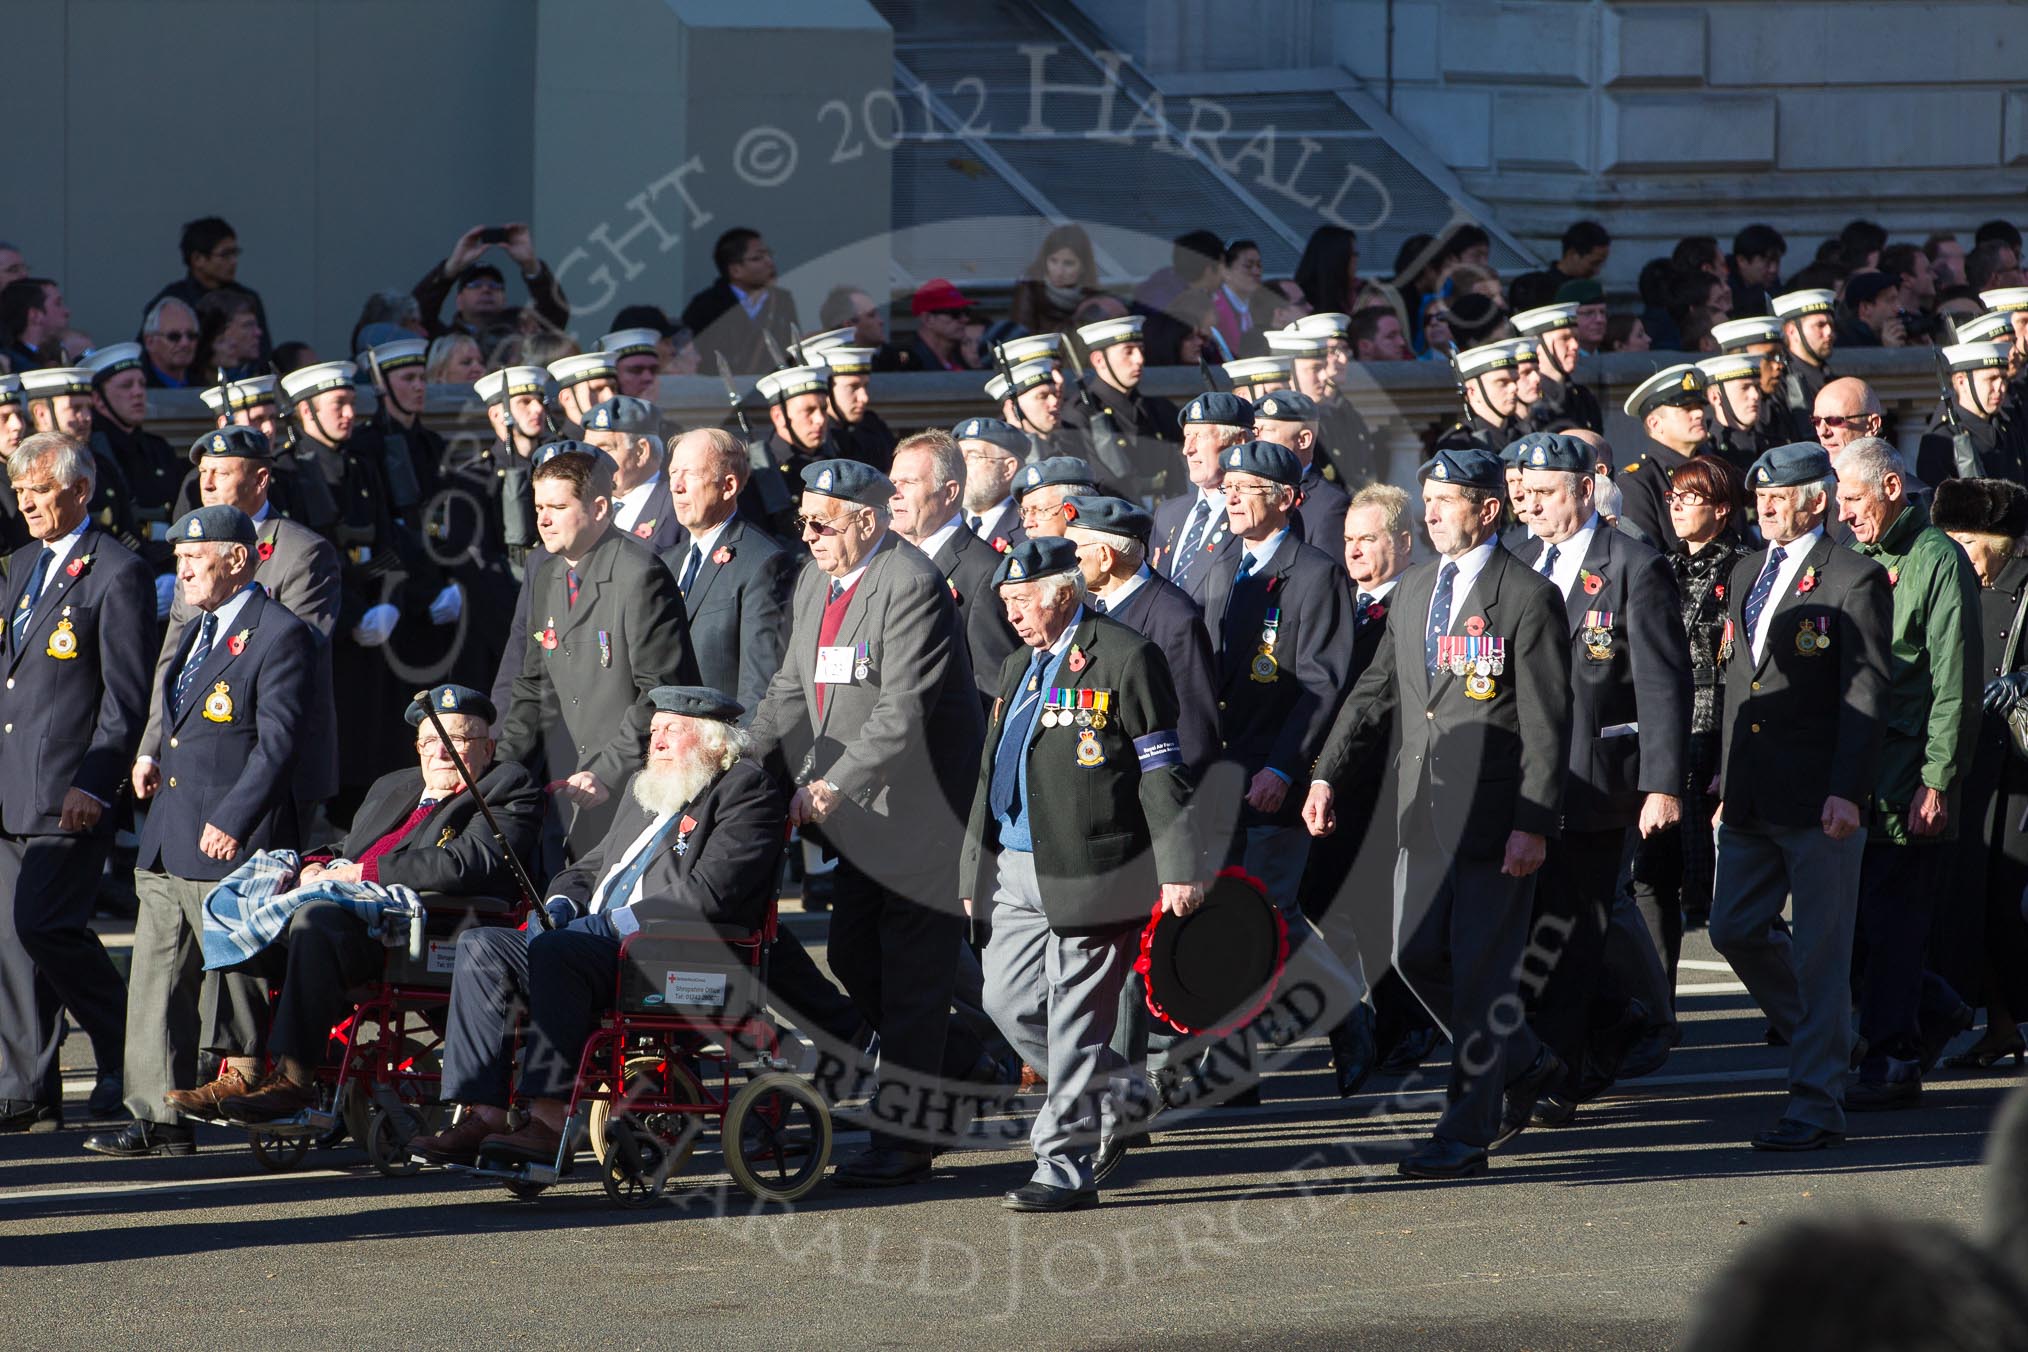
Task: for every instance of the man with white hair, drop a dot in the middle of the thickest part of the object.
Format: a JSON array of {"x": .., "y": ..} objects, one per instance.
[
  {"x": 1191, "y": 534},
  {"x": 628, "y": 430},
  {"x": 697, "y": 836},
  {"x": 1074, "y": 825},
  {"x": 1805, "y": 654}
]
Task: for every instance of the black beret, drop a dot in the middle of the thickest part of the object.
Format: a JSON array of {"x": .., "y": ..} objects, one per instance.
[
  {"x": 1220, "y": 408},
  {"x": 451, "y": 699},
  {"x": 1867, "y": 287},
  {"x": 991, "y": 430},
  {"x": 1265, "y": 460},
  {"x": 1549, "y": 450},
  {"x": 1110, "y": 516},
  {"x": 1056, "y": 470},
  {"x": 1799, "y": 462},
  {"x": 1043, "y": 556},
  {"x": 549, "y": 450},
  {"x": 1980, "y": 507},
  {"x": 623, "y": 413},
  {"x": 232, "y": 442},
  {"x": 213, "y": 525},
  {"x": 1468, "y": 465},
  {"x": 696, "y": 701},
  {"x": 1285, "y": 406},
  {"x": 849, "y": 480}
]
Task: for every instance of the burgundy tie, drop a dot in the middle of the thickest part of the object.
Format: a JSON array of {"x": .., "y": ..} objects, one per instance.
[{"x": 570, "y": 579}]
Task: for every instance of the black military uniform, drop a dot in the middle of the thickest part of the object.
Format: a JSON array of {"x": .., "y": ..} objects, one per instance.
[
  {"x": 1473, "y": 428},
  {"x": 1965, "y": 441},
  {"x": 1737, "y": 446},
  {"x": 1563, "y": 402},
  {"x": 1133, "y": 437},
  {"x": 1644, "y": 481},
  {"x": 1803, "y": 379},
  {"x": 870, "y": 441},
  {"x": 150, "y": 467},
  {"x": 112, "y": 504}
]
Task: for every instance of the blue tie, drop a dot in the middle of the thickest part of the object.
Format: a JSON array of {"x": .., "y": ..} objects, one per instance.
[
  {"x": 690, "y": 567},
  {"x": 623, "y": 883},
  {"x": 1003, "y": 794},
  {"x": 1549, "y": 557},
  {"x": 26, "y": 610},
  {"x": 1186, "y": 548},
  {"x": 1763, "y": 587},
  {"x": 1439, "y": 611},
  {"x": 198, "y": 652},
  {"x": 1244, "y": 571},
  {"x": 1097, "y": 604}
]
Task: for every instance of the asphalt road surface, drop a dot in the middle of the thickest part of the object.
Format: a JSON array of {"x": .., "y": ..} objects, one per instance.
[{"x": 1283, "y": 1226}]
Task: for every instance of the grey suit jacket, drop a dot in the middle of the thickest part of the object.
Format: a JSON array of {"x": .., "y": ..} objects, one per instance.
[
  {"x": 901, "y": 744},
  {"x": 300, "y": 570}
]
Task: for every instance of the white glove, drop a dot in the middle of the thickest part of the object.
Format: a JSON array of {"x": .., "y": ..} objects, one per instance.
[
  {"x": 450, "y": 604},
  {"x": 375, "y": 626},
  {"x": 165, "y": 595}
]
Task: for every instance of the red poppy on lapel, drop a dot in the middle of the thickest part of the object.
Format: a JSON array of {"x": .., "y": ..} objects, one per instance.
[
  {"x": 645, "y": 529},
  {"x": 1808, "y": 582},
  {"x": 721, "y": 556},
  {"x": 266, "y": 549},
  {"x": 77, "y": 565},
  {"x": 1000, "y": 544}
]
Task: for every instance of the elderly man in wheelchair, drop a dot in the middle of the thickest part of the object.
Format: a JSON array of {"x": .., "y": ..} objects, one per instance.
[
  {"x": 418, "y": 828},
  {"x": 698, "y": 837}
]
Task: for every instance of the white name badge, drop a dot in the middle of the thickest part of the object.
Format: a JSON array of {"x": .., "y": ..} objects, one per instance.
[
  {"x": 834, "y": 665},
  {"x": 443, "y": 955},
  {"x": 693, "y": 988}
]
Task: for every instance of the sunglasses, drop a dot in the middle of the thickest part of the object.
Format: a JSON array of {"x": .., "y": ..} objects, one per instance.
[
  {"x": 1856, "y": 421},
  {"x": 807, "y": 524}
]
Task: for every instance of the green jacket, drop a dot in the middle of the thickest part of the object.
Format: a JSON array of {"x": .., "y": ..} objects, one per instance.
[{"x": 1934, "y": 661}]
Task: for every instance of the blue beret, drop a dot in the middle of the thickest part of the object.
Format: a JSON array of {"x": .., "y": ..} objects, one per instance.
[
  {"x": 1114, "y": 516},
  {"x": 1468, "y": 465},
  {"x": 451, "y": 699},
  {"x": 849, "y": 480},
  {"x": 1799, "y": 462},
  {"x": 1265, "y": 460},
  {"x": 1550, "y": 450},
  {"x": 221, "y": 525},
  {"x": 623, "y": 413},
  {"x": 234, "y": 442},
  {"x": 1221, "y": 407},
  {"x": 1044, "y": 556},
  {"x": 1285, "y": 406},
  {"x": 1057, "y": 469},
  {"x": 1004, "y": 435},
  {"x": 696, "y": 701},
  {"x": 549, "y": 450}
]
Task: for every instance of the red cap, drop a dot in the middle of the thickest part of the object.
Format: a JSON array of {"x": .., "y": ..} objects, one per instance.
[{"x": 937, "y": 294}]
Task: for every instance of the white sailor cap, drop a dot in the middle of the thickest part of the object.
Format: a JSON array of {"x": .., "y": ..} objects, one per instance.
[
  {"x": 1111, "y": 332},
  {"x": 1976, "y": 356},
  {"x": 499, "y": 386},
  {"x": 236, "y": 396},
  {"x": 1028, "y": 347},
  {"x": 1027, "y": 375},
  {"x": 392, "y": 356},
  {"x": 310, "y": 381},
  {"x": 10, "y": 389},
  {"x": 1293, "y": 342},
  {"x": 1730, "y": 366},
  {"x": 1248, "y": 371},
  {"x": 1735, "y": 334},
  {"x": 1681, "y": 385},
  {"x": 1992, "y": 326},
  {"x": 2005, "y": 299},
  {"x": 790, "y": 381},
  {"x": 842, "y": 360},
  {"x": 1325, "y": 324},
  {"x": 631, "y": 343},
  {"x": 108, "y": 361},
  {"x": 1524, "y": 348},
  {"x": 1476, "y": 361},
  {"x": 582, "y": 366},
  {"x": 1545, "y": 319},
  {"x": 814, "y": 345},
  {"x": 1796, "y": 304},
  {"x": 50, "y": 381}
]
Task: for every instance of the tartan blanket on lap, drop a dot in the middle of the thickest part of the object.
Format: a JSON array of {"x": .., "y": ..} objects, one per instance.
[{"x": 249, "y": 909}]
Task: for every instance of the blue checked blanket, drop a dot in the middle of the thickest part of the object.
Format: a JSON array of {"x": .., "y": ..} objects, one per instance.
[{"x": 251, "y": 907}]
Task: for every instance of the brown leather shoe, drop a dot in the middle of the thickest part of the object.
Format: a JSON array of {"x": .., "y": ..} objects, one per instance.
[
  {"x": 1031, "y": 1081},
  {"x": 458, "y": 1144},
  {"x": 273, "y": 1099},
  {"x": 204, "y": 1100},
  {"x": 532, "y": 1141}
]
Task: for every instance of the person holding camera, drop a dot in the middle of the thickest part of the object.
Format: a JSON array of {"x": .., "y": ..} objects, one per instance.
[{"x": 481, "y": 307}]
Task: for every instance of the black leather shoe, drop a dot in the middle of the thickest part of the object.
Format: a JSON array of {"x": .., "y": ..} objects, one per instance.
[
  {"x": 1410, "y": 1050},
  {"x": 109, "y": 1098},
  {"x": 1553, "y": 1110},
  {"x": 1522, "y": 1092},
  {"x": 1606, "y": 1048},
  {"x": 17, "y": 1116},
  {"x": 1112, "y": 1150},
  {"x": 883, "y": 1166},
  {"x": 1791, "y": 1135},
  {"x": 139, "y": 1139},
  {"x": 1444, "y": 1158},
  {"x": 1879, "y": 1096},
  {"x": 1352, "y": 1051},
  {"x": 1934, "y": 1040},
  {"x": 1049, "y": 1197}
]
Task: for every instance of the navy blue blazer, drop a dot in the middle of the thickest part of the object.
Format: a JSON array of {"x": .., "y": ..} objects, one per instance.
[
  {"x": 1216, "y": 540},
  {"x": 739, "y": 609},
  {"x": 230, "y": 755},
  {"x": 76, "y": 692},
  {"x": 1161, "y": 613},
  {"x": 968, "y": 564}
]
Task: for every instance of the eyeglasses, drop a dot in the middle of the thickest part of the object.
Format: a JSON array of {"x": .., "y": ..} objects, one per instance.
[
  {"x": 1252, "y": 490},
  {"x": 1030, "y": 515},
  {"x": 1856, "y": 421},
  {"x": 430, "y": 746},
  {"x": 177, "y": 335},
  {"x": 1686, "y": 499}
]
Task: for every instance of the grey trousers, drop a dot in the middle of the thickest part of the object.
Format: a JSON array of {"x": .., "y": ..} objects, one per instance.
[
  {"x": 1056, "y": 998},
  {"x": 1801, "y": 978},
  {"x": 174, "y": 1007}
]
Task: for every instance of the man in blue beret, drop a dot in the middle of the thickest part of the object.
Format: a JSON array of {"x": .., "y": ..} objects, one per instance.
[
  {"x": 629, "y": 431},
  {"x": 1040, "y": 489},
  {"x": 419, "y": 828},
  {"x": 1473, "y": 675},
  {"x": 1078, "y": 816},
  {"x": 876, "y": 712},
  {"x": 1191, "y": 533},
  {"x": 1630, "y": 729},
  {"x": 1289, "y": 418},
  {"x": 80, "y": 616},
  {"x": 696, "y": 836},
  {"x": 1806, "y": 687},
  {"x": 993, "y": 452},
  {"x": 236, "y": 701}
]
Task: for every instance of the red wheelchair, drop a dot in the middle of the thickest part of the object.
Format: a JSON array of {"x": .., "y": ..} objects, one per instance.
[{"x": 689, "y": 1012}]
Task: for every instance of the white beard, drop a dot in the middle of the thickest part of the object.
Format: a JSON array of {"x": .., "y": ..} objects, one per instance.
[{"x": 664, "y": 791}]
